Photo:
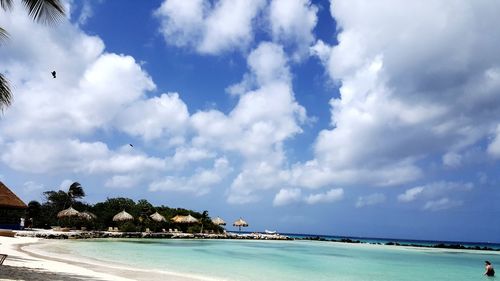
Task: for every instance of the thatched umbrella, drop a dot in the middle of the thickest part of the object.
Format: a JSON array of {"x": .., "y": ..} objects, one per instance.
[
  {"x": 9, "y": 200},
  {"x": 176, "y": 219},
  {"x": 187, "y": 219},
  {"x": 239, "y": 223},
  {"x": 123, "y": 216},
  {"x": 69, "y": 212},
  {"x": 88, "y": 216},
  {"x": 218, "y": 221},
  {"x": 157, "y": 217}
]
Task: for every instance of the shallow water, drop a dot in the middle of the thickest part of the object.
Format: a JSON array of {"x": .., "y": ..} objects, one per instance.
[{"x": 289, "y": 260}]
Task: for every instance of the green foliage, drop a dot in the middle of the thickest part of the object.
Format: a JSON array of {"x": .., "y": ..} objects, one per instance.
[
  {"x": 128, "y": 227},
  {"x": 45, "y": 215},
  {"x": 75, "y": 191}
]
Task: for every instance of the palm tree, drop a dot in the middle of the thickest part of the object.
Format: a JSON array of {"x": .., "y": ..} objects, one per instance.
[
  {"x": 44, "y": 11},
  {"x": 75, "y": 191}
]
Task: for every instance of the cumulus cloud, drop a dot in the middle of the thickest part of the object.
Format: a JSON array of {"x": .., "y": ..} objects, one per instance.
[
  {"x": 198, "y": 183},
  {"x": 293, "y": 22},
  {"x": 53, "y": 125},
  {"x": 331, "y": 195},
  {"x": 494, "y": 146},
  {"x": 370, "y": 200},
  {"x": 441, "y": 204},
  {"x": 452, "y": 159},
  {"x": 163, "y": 116},
  {"x": 433, "y": 190},
  {"x": 398, "y": 67},
  {"x": 266, "y": 115},
  {"x": 437, "y": 195},
  {"x": 211, "y": 29},
  {"x": 287, "y": 196}
]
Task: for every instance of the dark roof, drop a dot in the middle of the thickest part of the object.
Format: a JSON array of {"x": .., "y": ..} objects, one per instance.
[{"x": 8, "y": 199}]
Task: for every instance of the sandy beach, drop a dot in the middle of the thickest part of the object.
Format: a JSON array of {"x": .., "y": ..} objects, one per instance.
[{"x": 26, "y": 261}]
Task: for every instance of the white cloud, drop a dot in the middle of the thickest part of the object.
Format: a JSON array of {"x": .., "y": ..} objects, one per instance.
[
  {"x": 293, "y": 21},
  {"x": 287, "y": 196},
  {"x": 185, "y": 155},
  {"x": 123, "y": 181},
  {"x": 211, "y": 29},
  {"x": 494, "y": 146},
  {"x": 199, "y": 183},
  {"x": 433, "y": 190},
  {"x": 452, "y": 159},
  {"x": 155, "y": 117},
  {"x": 32, "y": 187},
  {"x": 398, "y": 67},
  {"x": 52, "y": 125},
  {"x": 182, "y": 21},
  {"x": 445, "y": 191},
  {"x": 42, "y": 156},
  {"x": 411, "y": 194},
  {"x": 332, "y": 195},
  {"x": 441, "y": 204},
  {"x": 370, "y": 200}
]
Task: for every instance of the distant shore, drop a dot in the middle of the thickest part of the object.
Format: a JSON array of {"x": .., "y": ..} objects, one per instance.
[{"x": 50, "y": 234}]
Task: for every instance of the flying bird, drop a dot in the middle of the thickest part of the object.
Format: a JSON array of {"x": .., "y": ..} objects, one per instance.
[
  {"x": 53, "y": 74},
  {"x": 130, "y": 145}
]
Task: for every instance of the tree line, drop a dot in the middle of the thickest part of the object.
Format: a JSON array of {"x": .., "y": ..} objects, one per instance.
[{"x": 44, "y": 215}]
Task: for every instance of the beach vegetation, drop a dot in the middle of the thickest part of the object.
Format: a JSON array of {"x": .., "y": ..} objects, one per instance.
[{"x": 44, "y": 215}]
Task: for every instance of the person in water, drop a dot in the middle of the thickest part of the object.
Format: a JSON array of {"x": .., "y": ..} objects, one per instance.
[{"x": 489, "y": 269}]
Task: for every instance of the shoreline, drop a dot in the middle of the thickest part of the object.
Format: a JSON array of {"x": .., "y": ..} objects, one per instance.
[{"x": 28, "y": 260}]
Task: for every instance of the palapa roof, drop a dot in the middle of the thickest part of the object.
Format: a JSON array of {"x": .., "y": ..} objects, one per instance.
[
  {"x": 240, "y": 222},
  {"x": 8, "y": 199},
  {"x": 69, "y": 212},
  {"x": 218, "y": 221},
  {"x": 185, "y": 219},
  {"x": 123, "y": 216},
  {"x": 157, "y": 217}
]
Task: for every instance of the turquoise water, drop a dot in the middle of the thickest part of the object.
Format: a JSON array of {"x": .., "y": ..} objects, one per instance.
[{"x": 290, "y": 260}]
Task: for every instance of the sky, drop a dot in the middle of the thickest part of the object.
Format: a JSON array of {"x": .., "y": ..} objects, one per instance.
[{"x": 342, "y": 117}]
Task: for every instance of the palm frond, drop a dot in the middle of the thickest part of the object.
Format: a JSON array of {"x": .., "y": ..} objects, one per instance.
[
  {"x": 45, "y": 11},
  {"x": 4, "y": 35},
  {"x": 6, "y": 4},
  {"x": 5, "y": 93}
]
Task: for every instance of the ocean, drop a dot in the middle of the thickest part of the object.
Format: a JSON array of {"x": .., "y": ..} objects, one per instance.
[{"x": 289, "y": 260}]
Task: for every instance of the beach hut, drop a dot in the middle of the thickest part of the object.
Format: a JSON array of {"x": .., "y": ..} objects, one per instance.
[
  {"x": 69, "y": 212},
  {"x": 123, "y": 216},
  {"x": 218, "y": 221},
  {"x": 9, "y": 200},
  {"x": 11, "y": 208},
  {"x": 187, "y": 219},
  {"x": 157, "y": 217},
  {"x": 240, "y": 223}
]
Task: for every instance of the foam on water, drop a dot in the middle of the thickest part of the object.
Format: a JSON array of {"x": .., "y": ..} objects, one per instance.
[{"x": 290, "y": 260}]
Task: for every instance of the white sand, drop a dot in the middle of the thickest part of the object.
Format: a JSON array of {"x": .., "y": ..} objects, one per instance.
[{"x": 29, "y": 263}]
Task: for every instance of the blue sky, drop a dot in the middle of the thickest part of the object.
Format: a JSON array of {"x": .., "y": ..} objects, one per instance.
[{"x": 353, "y": 118}]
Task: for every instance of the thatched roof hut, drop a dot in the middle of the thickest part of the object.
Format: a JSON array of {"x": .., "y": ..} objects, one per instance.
[
  {"x": 123, "y": 216},
  {"x": 157, "y": 217},
  {"x": 185, "y": 219},
  {"x": 218, "y": 221},
  {"x": 9, "y": 200},
  {"x": 240, "y": 223},
  {"x": 69, "y": 212}
]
